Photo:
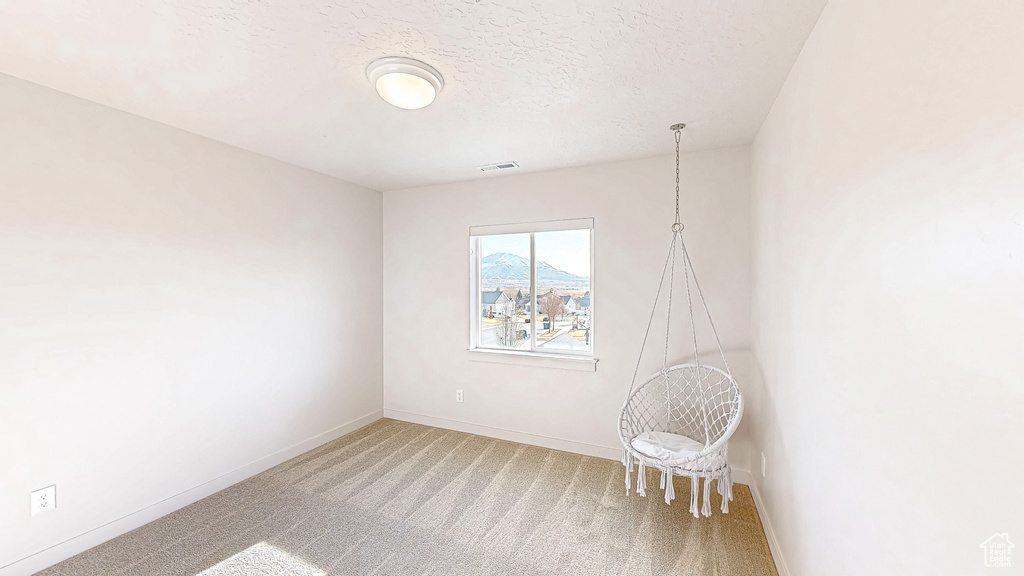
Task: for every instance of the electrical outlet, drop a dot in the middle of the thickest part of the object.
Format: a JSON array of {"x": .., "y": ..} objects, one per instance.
[
  {"x": 44, "y": 500},
  {"x": 762, "y": 464},
  {"x": 458, "y": 395}
]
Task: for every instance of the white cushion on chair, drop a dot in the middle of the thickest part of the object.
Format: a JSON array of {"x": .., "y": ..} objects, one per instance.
[{"x": 665, "y": 445}]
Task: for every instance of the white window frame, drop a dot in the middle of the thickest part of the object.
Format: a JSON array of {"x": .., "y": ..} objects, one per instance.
[{"x": 505, "y": 355}]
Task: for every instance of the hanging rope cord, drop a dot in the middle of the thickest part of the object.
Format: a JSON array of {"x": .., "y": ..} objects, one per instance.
[{"x": 669, "y": 270}]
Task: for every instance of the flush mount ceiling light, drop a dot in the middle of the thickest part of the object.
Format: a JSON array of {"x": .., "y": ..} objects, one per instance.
[{"x": 404, "y": 82}]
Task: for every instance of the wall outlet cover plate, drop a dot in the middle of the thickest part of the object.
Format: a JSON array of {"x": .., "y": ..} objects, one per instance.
[{"x": 44, "y": 500}]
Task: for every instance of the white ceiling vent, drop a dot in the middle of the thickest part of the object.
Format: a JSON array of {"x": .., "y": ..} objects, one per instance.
[{"x": 497, "y": 166}]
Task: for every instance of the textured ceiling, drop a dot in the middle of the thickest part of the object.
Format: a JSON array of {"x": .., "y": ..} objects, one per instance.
[{"x": 545, "y": 83}]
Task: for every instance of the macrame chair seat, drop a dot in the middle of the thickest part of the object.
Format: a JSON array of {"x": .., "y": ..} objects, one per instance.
[{"x": 680, "y": 419}]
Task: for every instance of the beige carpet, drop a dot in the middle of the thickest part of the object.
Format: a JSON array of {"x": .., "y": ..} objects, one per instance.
[{"x": 400, "y": 498}]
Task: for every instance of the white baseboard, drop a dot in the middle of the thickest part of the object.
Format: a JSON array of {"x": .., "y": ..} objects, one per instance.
[
  {"x": 769, "y": 532},
  {"x": 68, "y": 548},
  {"x": 58, "y": 552},
  {"x": 742, "y": 477},
  {"x": 607, "y": 452},
  {"x": 510, "y": 435}
]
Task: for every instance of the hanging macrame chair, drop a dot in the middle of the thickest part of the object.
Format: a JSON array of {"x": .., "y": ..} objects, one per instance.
[{"x": 680, "y": 419}]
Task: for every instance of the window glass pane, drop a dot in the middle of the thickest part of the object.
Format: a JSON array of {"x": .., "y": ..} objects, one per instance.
[
  {"x": 563, "y": 290},
  {"x": 505, "y": 291}
]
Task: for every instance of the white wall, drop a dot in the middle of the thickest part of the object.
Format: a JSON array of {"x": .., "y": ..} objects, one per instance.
[
  {"x": 426, "y": 271},
  {"x": 888, "y": 191},
  {"x": 174, "y": 314}
]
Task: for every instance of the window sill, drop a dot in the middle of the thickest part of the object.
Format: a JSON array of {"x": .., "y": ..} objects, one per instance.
[{"x": 563, "y": 362}]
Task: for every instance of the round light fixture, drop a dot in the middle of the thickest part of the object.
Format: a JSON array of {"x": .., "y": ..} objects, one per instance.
[{"x": 404, "y": 82}]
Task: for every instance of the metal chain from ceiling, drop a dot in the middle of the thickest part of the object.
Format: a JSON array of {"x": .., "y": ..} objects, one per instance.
[{"x": 678, "y": 129}]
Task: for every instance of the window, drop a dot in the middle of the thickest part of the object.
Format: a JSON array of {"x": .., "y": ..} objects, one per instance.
[{"x": 531, "y": 288}]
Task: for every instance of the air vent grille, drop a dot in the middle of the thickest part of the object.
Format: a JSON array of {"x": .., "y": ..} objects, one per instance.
[{"x": 497, "y": 166}]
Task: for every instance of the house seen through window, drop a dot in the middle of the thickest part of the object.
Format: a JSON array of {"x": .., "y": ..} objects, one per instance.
[{"x": 532, "y": 288}]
